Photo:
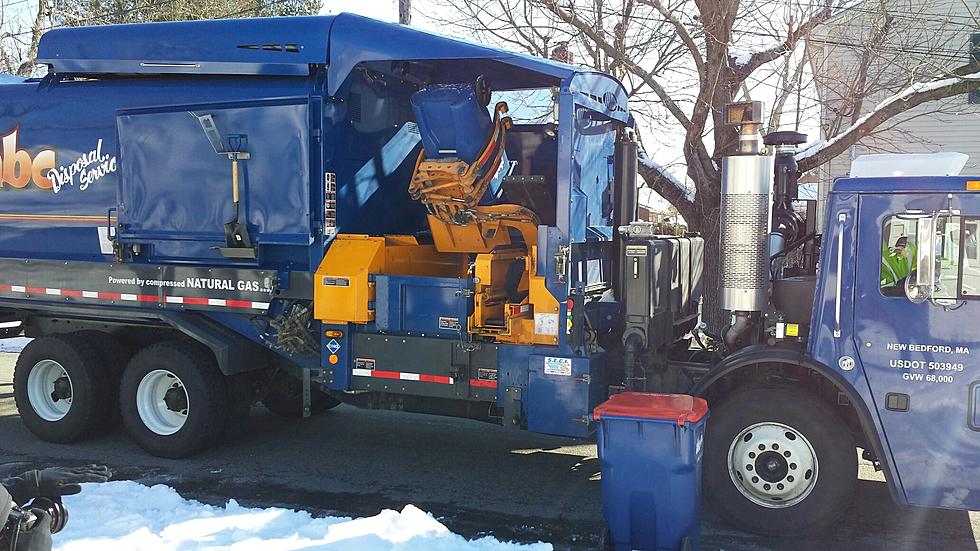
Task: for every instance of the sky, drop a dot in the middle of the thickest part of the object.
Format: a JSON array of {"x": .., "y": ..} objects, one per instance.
[{"x": 385, "y": 10}]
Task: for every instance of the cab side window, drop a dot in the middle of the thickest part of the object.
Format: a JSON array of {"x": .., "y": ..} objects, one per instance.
[
  {"x": 970, "y": 262},
  {"x": 898, "y": 252}
]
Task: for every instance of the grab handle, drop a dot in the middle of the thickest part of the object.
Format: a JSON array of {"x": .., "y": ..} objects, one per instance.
[{"x": 841, "y": 217}]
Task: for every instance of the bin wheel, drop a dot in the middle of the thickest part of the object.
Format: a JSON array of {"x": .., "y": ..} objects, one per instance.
[
  {"x": 61, "y": 389},
  {"x": 173, "y": 398},
  {"x": 778, "y": 461}
]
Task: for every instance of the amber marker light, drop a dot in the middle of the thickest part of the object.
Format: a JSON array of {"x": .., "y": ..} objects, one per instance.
[
  {"x": 334, "y": 334},
  {"x": 973, "y": 185}
]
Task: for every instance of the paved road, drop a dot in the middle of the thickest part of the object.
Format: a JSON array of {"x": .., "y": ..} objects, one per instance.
[{"x": 476, "y": 477}]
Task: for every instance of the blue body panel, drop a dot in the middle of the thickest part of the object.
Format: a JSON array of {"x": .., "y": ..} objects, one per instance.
[
  {"x": 165, "y": 183},
  {"x": 932, "y": 450},
  {"x": 255, "y": 46},
  {"x": 424, "y": 305}
]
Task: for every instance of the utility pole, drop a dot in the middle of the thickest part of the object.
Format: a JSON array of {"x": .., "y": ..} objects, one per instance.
[{"x": 405, "y": 12}]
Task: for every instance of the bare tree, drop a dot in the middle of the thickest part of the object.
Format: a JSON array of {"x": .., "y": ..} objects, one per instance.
[
  {"x": 18, "y": 44},
  {"x": 682, "y": 61}
]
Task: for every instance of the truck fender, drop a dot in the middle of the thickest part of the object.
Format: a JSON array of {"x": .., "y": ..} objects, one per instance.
[
  {"x": 754, "y": 355},
  {"x": 234, "y": 354}
]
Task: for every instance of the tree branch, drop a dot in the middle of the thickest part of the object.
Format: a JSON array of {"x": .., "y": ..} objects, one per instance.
[
  {"x": 658, "y": 179},
  {"x": 27, "y": 67},
  {"x": 681, "y": 32},
  {"x": 964, "y": 80},
  {"x": 600, "y": 41},
  {"x": 793, "y": 37}
]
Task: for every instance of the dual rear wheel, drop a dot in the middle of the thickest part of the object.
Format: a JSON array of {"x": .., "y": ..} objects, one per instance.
[{"x": 170, "y": 396}]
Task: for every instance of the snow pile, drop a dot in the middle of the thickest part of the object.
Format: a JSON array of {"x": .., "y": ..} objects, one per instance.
[
  {"x": 132, "y": 517},
  {"x": 15, "y": 344}
]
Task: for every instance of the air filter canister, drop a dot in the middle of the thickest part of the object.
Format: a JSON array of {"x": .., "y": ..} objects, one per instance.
[{"x": 746, "y": 185}]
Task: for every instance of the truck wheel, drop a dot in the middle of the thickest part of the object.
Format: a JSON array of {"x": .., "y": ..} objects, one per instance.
[
  {"x": 284, "y": 397},
  {"x": 173, "y": 399},
  {"x": 114, "y": 357},
  {"x": 61, "y": 388},
  {"x": 240, "y": 400},
  {"x": 778, "y": 461}
]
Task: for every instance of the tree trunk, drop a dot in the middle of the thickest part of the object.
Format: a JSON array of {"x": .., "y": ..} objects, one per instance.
[{"x": 405, "y": 12}]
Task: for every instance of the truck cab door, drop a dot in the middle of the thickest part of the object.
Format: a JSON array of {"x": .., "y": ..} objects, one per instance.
[{"x": 922, "y": 360}]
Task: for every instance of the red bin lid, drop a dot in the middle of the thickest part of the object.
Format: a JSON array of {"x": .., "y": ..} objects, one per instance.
[{"x": 668, "y": 407}]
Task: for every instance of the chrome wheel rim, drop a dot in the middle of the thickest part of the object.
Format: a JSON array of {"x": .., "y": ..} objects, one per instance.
[
  {"x": 49, "y": 390},
  {"x": 772, "y": 465},
  {"x": 162, "y": 402}
]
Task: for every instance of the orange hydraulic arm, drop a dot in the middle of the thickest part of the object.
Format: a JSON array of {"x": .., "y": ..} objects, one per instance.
[
  {"x": 451, "y": 192},
  {"x": 511, "y": 302}
]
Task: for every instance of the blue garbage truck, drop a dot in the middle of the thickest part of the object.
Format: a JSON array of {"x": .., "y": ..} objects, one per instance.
[{"x": 196, "y": 217}]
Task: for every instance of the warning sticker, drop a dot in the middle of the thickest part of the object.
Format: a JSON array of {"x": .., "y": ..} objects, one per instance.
[
  {"x": 449, "y": 323},
  {"x": 558, "y": 366},
  {"x": 486, "y": 374},
  {"x": 545, "y": 324},
  {"x": 636, "y": 250}
]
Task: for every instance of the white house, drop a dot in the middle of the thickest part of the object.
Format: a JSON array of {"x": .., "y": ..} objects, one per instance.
[{"x": 851, "y": 57}]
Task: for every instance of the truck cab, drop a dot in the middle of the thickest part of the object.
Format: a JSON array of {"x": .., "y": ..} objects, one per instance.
[{"x": 905, "y": 342}]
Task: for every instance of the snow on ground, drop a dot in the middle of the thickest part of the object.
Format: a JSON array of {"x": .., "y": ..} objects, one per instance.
[
  {"x": 15, "y": 344},
  {"x": 132, "y": 517}
]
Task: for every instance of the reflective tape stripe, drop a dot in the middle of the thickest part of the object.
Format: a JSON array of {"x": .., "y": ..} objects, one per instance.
[
  {"x": 130, "y": 297},
  {"x": 418, "y": 377}
]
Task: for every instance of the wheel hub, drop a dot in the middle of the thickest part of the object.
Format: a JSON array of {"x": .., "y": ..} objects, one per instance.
[
  {"x": 176, "y": 398},
  {"x": 773, "y": 465},
  {"x": 62, "y": 389},
  {"x": 162, "y": 402},
  {"x": 49, "y": 390}
]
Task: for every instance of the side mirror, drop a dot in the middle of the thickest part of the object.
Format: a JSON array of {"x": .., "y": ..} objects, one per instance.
[{"x": 921, "y": 289}]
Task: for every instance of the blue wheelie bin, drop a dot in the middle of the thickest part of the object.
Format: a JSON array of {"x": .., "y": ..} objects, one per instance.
[{"x": 650, "y": 455}]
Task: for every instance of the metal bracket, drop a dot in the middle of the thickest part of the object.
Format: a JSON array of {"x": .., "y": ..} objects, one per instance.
[
  {"x": 307, "y": 394},
  {"x": 512, "y": 406}
]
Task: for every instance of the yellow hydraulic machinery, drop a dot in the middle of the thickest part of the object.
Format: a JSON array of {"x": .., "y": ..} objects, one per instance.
[
  {"x": 511, "y": 302},
  {"x": 344, "y": 291}
]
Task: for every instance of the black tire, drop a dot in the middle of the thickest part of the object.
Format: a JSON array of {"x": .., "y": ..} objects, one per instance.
[
  {"x": 817, "y": 422},
  {"x": 114, "y": 357},
  {"x": 90, "y": 388},
  {"x": 206, "y": 394},
  {"x": 240, "y": 399},
  {"x": 284, "y": 397}
]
